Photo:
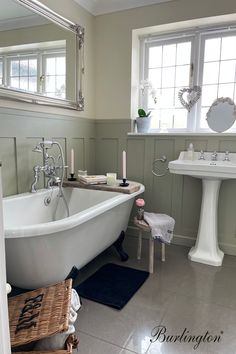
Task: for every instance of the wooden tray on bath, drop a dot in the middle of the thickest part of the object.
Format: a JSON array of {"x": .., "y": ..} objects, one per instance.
[{"x": 132, "y": 187}]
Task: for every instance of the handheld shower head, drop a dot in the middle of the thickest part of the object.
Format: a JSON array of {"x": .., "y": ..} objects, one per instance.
[{"x": 37, "y": 149}]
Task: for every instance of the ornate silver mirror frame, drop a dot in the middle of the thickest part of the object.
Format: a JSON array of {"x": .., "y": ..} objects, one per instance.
[
  {"x": 17, "y": 95},
  {"x": 222, "y": 114}
]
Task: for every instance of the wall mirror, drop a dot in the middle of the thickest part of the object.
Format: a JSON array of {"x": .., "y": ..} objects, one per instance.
[
  {"x": 41, "y": 55},
  {"x": 222, "y": 114}
]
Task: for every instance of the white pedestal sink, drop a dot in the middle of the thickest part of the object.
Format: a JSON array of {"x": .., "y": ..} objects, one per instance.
[{"x": 206, "y": 249}]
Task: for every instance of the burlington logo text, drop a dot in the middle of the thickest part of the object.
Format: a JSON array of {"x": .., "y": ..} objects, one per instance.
[{"x": 160, "y": 333}]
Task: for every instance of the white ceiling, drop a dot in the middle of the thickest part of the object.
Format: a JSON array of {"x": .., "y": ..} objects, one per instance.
[
  {"x": 14, "y": 15},
  {"x": 99, "y": 7}
]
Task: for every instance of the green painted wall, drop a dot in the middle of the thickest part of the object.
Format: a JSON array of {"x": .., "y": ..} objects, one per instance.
[
  {"x": 21, "y": 130},
  {"x": 175, "y": 195}
]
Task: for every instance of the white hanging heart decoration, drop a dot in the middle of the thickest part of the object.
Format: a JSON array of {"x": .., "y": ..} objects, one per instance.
[{"x": 189, "y": 96}]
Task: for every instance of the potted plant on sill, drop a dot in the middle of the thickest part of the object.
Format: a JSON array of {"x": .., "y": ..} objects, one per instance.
[{"x": 143, "y": 121}]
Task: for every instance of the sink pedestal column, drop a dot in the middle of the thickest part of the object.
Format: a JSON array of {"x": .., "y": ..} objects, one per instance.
[{"x": 206, "y": 249}]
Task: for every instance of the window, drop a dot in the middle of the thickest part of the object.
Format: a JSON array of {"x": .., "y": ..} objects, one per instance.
[
  {"x": 37, "y": 72},
  {"x": 170, "y": 63},
  {"x": 1, "y": 71},
  {"x": 22, "y": 73},
  {"x": 55, "y": 75}
]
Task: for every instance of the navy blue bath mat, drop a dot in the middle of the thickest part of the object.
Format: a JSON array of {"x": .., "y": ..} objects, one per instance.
[{"x": 112, "y": 285}]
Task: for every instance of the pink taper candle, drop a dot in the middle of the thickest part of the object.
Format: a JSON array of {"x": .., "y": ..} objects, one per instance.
[
  {"x": 72, "y": 159},
  {"x": 124, "y": 164}
]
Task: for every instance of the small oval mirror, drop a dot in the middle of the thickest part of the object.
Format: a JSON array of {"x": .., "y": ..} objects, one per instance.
[{"x": 222, "y": 114}]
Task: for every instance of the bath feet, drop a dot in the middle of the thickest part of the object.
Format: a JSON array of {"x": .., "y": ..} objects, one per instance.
[{"x": 119, "y": 248}]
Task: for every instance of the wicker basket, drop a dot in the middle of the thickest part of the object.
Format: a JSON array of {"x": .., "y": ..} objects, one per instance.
[
  {"x": 52, "y": 315},
  {"x": 71, "y": 344}
]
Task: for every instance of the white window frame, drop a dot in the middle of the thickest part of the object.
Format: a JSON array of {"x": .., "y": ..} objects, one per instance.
[
  {"x": 20, "y": 56},
  {"x": 39, "y": 55},
  {"x": 45, "y": 56},
  {"x": 198, "y": 38}
]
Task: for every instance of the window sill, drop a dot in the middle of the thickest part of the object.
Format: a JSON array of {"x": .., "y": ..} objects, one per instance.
[{"x": 212, "y": 134}]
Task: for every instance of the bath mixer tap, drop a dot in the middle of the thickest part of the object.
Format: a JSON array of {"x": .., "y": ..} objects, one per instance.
[
  {"x": 37, "y": 169},
  {"x": 51, "y": 169},
  {"x": 214, "y": 156}
]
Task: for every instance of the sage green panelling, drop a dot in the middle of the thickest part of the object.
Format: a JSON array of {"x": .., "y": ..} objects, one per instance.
[
  {"x": 22, "y": 130},
  {"x": 79, "y": 148},
  {"x": 162, "y": 186},
  {"x": 228, "y": 145},
  {"x": 107, "y": 155},
  {"x": 8, "y": 158},
  {"x": 173, "y": 194},
  {"x": 135, "y": 166},
  {"x": 91, "y": 143}
]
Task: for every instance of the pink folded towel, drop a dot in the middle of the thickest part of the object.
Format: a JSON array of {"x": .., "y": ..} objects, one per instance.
[{"x": 162, "y": 226}]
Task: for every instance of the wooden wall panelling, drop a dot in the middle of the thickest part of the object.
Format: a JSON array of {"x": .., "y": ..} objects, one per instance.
[
  {"x": 162, "y": 186},
  {"x": 78, "y": 145},
  {"x": 9, "y": 170},
  {"x": 136, "y": 159},
  {"x": 107, "y": 155},
  {"x": 90, "y": 155}
]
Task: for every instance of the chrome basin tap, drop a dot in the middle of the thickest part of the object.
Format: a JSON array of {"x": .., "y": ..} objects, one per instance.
[
  {"x": 202, "y": 157},
  {"x": 214, "y": 156}
]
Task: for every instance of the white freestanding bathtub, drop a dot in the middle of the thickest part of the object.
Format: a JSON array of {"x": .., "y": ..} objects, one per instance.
[{"x": 40, "y": 251}]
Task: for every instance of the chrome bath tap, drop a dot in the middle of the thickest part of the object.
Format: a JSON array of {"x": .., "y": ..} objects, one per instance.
[{"x": 53, "y": 170}]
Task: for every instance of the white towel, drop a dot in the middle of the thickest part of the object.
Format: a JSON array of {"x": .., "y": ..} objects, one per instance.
[{"x": 162, "y": 226}]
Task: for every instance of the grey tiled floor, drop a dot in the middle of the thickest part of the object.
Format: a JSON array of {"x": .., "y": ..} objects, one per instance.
[{"x": 180, "y": 294}]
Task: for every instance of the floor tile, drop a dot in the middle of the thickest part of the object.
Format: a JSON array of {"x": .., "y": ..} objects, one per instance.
[
  {"x": 92, "y": 345},
  {"x": 179, "y": 294}
]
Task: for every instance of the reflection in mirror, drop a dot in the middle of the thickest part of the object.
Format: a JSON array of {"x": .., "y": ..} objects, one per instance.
[
  {"x": 222, "y": 114},
  {"x": 39, "y": 60}
]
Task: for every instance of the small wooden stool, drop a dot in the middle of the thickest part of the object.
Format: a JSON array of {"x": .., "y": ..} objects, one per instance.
[{"x": 143, "y": 226}]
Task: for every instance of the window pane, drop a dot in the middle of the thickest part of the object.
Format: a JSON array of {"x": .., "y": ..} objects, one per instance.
[
  {"x": 212, "y": 49},
  {"x": 23, "y": 67},
  {"x": 50, "y": 84},
  {"x": 50, "y": 66},
  {"x": 33, "y": 84},
  {"x": 182, "y": 75},
  {"x": 61, "y": 66},
  {"x": 226, "y": 90},
  {"x": 209, "y": 94},
  {"x": 14, "y": 82},
  {"x": 1, "y": 72},
  {"x": 203, "y": 122},
  {"x": 169, "y": 54},
  {"x": 227, "y": 71},
  {"x": 24, "y": 83},
  {"x": 183, "y": 53},
  {"x": 180, "y": 118},
  {"x": 167, "y": 118},
  {"x": 155, "y": 77},
  {"x": 167, "y": 98},
  {"x": 168, "y": 77},
  {"x": 33, "y": 67},
  {"x": 177, "y": 101},
  {"x": 155, "y": 57},
  {"x": 60, "y": 86},
  {"x": 211, "y": 73},
  {"x": 14, "y": 70},
  {"x": 228, "y": 48}
]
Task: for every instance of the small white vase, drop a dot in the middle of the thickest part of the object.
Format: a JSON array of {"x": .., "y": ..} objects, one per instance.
[{"x": 143, "y": 124}]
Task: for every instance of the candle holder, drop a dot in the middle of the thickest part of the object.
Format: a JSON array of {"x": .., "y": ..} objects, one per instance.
[
  {"x": 124, "y": 183},
  {"x": 72, "y": 178}
]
